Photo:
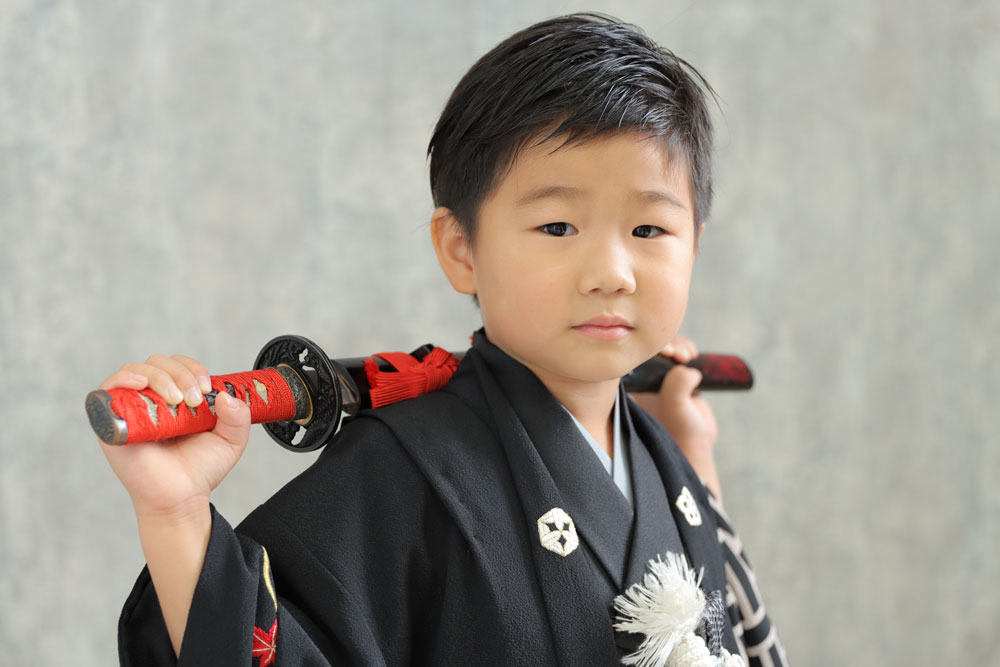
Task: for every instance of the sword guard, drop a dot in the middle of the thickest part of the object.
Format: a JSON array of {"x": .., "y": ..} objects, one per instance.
[{"x": 331, "y": 391}]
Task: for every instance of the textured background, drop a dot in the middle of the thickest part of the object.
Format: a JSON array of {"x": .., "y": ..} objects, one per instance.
[{"x": 198, "y": 177}]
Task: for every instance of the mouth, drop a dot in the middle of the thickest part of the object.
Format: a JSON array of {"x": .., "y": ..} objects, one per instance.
[{"x": 605, "y": 327}]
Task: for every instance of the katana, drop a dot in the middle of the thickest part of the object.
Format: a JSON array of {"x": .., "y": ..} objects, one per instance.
[{"x": 302, "y": 397}]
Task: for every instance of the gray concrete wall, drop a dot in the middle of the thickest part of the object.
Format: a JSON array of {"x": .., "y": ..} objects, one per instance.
[{"x": 198, "y": 177}]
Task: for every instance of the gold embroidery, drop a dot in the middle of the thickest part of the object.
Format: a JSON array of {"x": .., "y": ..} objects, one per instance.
[
  {"x": 557, "y": 533},
  {"x": 266, "y": 571}
]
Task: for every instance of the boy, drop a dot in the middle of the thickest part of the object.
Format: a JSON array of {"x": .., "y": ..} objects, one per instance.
[{"x": 493, "y": 522}]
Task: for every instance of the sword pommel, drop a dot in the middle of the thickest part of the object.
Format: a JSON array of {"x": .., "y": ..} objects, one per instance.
[{"x": 108, "y": 426}]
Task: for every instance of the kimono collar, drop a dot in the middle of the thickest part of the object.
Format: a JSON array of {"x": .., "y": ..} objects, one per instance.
[
  {"x": 602, "y": 515},
  {"x": 617, "y": 465},
  {"x": 554, "y": 468},
  {"x": 556, "y": 522}
]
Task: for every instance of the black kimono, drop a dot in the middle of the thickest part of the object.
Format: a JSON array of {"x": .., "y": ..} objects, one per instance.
[{"x": 472, "y": 526}]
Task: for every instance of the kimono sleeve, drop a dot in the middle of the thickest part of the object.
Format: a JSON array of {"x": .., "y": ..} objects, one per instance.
[
  {"x": 756, "y": 635},
  {"x": 335, "y": 569},
  {"x": 233, "y": 618}
]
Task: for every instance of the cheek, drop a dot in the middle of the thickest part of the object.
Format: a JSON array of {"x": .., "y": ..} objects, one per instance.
[
  {"x": 668, "y": 295},
  {"x": 511, "y": 291},
  {"x": 669, "y": 277},
  {"x": 676, "y": 281},
  {"x": 519, "y": 277}
]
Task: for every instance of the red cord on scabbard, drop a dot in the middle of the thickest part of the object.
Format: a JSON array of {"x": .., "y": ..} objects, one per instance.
[
  {"x": 411, "y": 378},
  {"x": 150, "y": 418}
]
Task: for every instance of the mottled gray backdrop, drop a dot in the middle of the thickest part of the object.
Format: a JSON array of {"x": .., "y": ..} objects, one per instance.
[{"x": 198, "y": 177}]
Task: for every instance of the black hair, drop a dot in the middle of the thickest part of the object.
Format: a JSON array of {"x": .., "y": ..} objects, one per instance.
[{"x": 585, "y": 75}]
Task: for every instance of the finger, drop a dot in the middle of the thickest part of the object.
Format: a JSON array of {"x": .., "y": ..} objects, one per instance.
[
  {"x": 681, "y": 349},
  {"x": 681, "y": 382},
  {"x": 159, "y": 381},
  {"x": 685, "y": 349},
  {"x": 123, "y": 379},
  {"x": 183, "y": 378},
  {"x": 198, "y": 370},
  {"x": 232, "y": 419}
]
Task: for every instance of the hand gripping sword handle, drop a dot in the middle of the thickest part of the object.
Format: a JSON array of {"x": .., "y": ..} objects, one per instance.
[
  {"x": 298, "y": 393},
  {"x": 301, "y": 396},
  {"x": 718, "y": 371},
  {"x": 121, "y": 416}
]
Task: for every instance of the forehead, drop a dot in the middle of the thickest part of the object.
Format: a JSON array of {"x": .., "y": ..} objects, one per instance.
[{"x": 628, "y": 160}]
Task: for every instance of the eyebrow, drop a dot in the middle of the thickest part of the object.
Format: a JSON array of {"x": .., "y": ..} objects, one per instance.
[{"x": 569, "y": 192}]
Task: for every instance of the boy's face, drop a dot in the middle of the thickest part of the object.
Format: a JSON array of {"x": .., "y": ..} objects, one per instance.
[{"x": 583, "y": 257}]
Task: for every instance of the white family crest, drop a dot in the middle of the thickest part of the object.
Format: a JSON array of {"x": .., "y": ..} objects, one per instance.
[
  {"x": 557, "y": 533},
  {"x": 687, "y": 505}
]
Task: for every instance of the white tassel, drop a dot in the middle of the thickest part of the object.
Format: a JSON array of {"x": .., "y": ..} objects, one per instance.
[
  {"x": 667, "y": 608},
  {"x": 730, "y": 660},
  {"x": 691, "y": 651}
]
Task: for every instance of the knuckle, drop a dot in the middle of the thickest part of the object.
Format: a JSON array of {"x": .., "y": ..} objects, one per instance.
[
  {"x": 158, "y": 375},
  {"x": 192, "y": 365},
  {"x": 676, "y": 372}
]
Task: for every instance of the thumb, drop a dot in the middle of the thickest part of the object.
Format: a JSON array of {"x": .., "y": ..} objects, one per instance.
[
  {"x": 232, "y": 419},
  {"x": 681, "y": 381}
]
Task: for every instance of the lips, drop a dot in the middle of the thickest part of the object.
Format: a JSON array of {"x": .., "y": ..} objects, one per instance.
[
  {"x": 606, "y": 321},
  {"x": 605, "y": 327}
]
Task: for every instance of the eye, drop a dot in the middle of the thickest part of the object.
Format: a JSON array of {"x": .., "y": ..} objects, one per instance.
[
  {"x": 558, "y": 229},
  {"x": 648, "y": 231}
]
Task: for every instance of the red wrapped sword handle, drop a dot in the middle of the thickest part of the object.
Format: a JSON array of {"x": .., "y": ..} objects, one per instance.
[
  {"x": 121, "y": 416},
  {"x": 302, "y": 396}
]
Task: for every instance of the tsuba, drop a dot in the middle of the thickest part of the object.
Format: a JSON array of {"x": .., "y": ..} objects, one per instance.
[{"x": 332, "y": 394}]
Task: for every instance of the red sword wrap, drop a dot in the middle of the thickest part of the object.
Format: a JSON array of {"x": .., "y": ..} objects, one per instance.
[{"x": 293, "y": 393}]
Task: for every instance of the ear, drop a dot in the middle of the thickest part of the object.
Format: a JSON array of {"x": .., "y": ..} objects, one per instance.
[
  {"x": 697, "y": 236},
  {"x": 453, "y": 251}
]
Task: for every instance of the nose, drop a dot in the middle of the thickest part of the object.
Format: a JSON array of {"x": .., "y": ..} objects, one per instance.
[{"x": 607, "y": 269}]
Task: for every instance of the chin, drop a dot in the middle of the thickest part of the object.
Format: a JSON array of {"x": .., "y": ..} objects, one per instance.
[{"x": 601, "y": 372}]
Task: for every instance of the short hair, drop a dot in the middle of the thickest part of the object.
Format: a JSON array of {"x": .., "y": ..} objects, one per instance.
[{"x": 586, "y": 75}]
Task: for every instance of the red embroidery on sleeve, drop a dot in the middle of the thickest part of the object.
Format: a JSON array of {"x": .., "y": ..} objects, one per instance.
[{"x": 265, "y": 643}]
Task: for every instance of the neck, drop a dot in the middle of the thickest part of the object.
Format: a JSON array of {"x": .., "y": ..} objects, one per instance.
[{"x": 592, "y": 403}]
